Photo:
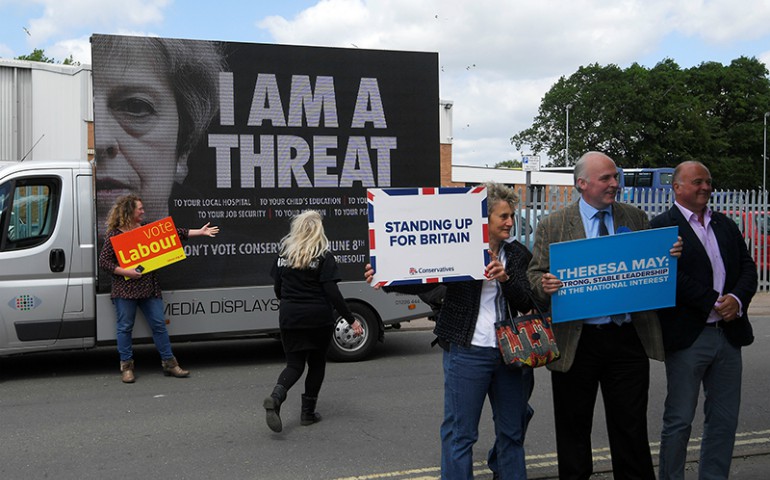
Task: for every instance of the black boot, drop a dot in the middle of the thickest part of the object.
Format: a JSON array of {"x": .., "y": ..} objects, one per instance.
[
  {"x": 309, "y": 415},
  {"x": 273, "y": 408}
]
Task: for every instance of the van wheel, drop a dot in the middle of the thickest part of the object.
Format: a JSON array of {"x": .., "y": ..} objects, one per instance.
[{"x": 347, "y": 348}]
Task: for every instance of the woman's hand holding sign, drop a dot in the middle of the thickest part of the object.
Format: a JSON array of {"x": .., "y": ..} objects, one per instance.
[
  {"x": 369, "y": 275},
  {"x": 131, "y": 273}
]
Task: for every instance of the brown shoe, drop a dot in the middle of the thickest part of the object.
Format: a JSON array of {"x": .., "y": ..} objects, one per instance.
[
  {"x": 171, "y": 368},
  {"x": 127, "y": 371}
]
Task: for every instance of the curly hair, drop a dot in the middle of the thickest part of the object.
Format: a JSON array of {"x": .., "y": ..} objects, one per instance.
[
  {"x": 121, "y": 214},
  {"x": 306, "y": 240},
  {"x": 497, "y": 192}
]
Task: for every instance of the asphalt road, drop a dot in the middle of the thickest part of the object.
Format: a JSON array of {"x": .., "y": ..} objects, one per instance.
[{"x": 68, "y": 416}]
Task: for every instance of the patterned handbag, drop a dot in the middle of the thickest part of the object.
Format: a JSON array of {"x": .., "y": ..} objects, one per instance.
[{"x": 527, "y": 340}]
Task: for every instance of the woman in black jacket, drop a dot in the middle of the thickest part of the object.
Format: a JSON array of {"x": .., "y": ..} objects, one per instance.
[
  {"x": 305, "y": 275},
  {"x": 473, "y": 366}
]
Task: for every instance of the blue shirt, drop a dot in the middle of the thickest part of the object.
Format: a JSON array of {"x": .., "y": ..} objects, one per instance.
[
  {"x": 591, "y": 225},
  {"x": 591, "y": 219}
]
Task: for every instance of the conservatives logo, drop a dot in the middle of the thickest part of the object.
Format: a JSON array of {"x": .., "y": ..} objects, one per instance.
[{"x": 430, "y": 271}]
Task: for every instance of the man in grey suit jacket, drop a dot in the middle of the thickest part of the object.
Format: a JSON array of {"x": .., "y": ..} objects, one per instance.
[
  {"x": 703, "y": 334},
  {"x": 611, "y": 353}
]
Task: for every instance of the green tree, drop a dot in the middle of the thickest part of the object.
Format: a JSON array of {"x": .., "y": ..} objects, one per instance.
[
  {"x": 659, "y": 117},
  {"x": 515, "y": 164},
  {"x": 38, "y": 55}
]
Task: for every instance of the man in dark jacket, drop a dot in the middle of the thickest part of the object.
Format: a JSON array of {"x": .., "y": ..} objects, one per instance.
[{"x": 703, "y": 334}]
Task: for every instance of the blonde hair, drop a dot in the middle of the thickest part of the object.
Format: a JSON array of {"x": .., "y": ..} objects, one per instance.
[
  {"x": 306, "y": 240},
  {"x": 121, "y": 214}
]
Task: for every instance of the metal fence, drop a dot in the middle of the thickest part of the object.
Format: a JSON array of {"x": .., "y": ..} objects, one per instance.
[{"x": 748, "y": 209}]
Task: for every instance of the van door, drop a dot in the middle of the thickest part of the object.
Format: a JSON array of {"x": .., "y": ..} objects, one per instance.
[{"x": 36, "y": 237}]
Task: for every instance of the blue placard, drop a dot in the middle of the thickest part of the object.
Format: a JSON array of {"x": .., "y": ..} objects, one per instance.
[{"x": 624, "y": 273}]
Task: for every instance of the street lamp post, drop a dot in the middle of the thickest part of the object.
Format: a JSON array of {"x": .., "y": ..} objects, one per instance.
[
  {"x": 764, "y": 156},
  {"x": 763, "y": 253},
  {"x": 566, "y": 144}
]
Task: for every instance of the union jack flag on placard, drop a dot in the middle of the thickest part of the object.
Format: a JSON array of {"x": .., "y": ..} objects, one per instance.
[{"x": 427, "y": 235}]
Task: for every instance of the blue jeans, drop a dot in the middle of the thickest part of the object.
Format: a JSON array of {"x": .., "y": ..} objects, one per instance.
[
  {"x": 152, "y": 308},
  {"x": 714, "y": 362},
  {"x": 470, "y": 375},
  {"x": 528, "y": 384}
]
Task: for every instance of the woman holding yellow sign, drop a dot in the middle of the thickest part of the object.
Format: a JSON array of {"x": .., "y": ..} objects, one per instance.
[{"x": 131, "y": 288}]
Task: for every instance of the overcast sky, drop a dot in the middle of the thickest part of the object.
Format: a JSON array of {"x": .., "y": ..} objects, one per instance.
[{"x": 497, "y": 57}]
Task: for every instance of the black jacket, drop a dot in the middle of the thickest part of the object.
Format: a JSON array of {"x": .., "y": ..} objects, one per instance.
[
  {"x": 456, "y": 321},
  {"x": 695, "y": 295}
]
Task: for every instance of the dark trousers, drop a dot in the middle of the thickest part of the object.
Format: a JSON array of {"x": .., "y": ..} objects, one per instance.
[
  {"x": 716, "y": 364},
  {"x": 611, "y": 358},
  {"x": 295, "y": 367}
]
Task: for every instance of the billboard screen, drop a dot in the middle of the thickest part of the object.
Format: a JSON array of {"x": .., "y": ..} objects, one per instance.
[{"x": 247, "y": 135}]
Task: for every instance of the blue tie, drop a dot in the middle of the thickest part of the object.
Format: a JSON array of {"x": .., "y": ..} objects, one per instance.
[
  {"x": 603, "y": 232},
  {"x": 618, "y": 318}
]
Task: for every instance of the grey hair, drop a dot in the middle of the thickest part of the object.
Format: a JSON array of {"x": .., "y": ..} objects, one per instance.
[
  {"x": 497, "y": 192},
  {"x": 192, "y": 68},
  {"x": 580, "y": 167}
]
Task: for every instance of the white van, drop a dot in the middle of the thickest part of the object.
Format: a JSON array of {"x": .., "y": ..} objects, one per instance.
[
  {"x": 48, "y": 278},
  {"x": 241, "y": 135}
]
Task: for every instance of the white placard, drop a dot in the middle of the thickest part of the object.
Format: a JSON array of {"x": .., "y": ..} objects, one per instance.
[{"x": 427, "y": 235}]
